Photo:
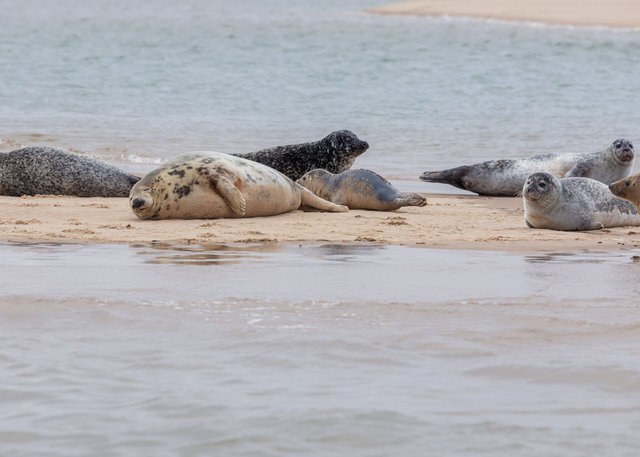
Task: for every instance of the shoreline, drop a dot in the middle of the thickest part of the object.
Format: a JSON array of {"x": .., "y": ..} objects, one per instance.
[
  {"x": 581, "y": 13},
  {"x": 447, "y": 222}
]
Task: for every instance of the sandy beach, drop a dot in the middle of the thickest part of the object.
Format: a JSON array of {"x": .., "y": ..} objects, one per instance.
[
  {"x": 609, "y": 13},
  {"x": 448, "y": 221}
]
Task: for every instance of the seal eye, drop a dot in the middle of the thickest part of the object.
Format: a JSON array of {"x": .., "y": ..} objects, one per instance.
[
  {"x": 542, "y": 185},
  {"x": 626, "y": 184}
]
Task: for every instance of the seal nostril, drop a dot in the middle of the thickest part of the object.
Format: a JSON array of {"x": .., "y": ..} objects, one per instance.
[{"x": 137, "y": 203}]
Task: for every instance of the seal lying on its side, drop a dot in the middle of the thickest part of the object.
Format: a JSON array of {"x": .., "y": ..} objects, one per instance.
[
  {"x": 51, "y": 171},
  {"x": 336, "y": 152},
  {"x": 359, "y": 189},
  {"x": 628, "y": 188},
  {"x": 506, "y": 177},
  {"x": 203, "y": 185},
  {"x": 574, "y": 204}
]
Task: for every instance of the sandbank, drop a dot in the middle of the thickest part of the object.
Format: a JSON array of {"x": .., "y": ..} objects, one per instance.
[
  {"x": 608, "y": 13},
  {"x": 448, "y": 221}
]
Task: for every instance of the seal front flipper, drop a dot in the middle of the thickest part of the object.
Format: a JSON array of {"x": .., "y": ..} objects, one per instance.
[
  {"x": 579, "y": 170},
  {"x": 308, "y": 198},
  {"x": 453, "y": 176},
  {"x": 230, "y": 193}
]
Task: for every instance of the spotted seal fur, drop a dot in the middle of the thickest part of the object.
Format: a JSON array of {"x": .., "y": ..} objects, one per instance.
[
  {"x": 336, "y": 153},
  {"x": 204, "y": 185},
  {"x": 574, "y": 204},
  {"x": 359, "y": 189},
  {"x": 52, "y": 171},
  {"x": 506, "y": 177}
]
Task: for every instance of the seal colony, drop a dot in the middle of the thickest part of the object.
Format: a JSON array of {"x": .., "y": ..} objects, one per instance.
[
  {"x": 336, "y": 153},
  {"x": 51, "y": 171},
  {"x": 559, "y": 192},
  {"x": 506, "y": 177},
  {"x": 359, "y": 189},
  {"x": 574, "y": 204},
  {"x": 204, "y": 185}
]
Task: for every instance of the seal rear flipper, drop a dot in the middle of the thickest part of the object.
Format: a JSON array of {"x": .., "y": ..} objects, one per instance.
[
  {"x": 452, "y": 176},
  {"x": 579, "y": 170},
  {"x": 308, "y": 198},
  {"x": 230, "y": 194}
]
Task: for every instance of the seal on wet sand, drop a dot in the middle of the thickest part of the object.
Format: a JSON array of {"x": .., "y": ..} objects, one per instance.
[
  {"x": 574, "y": 204},
  {"x": 506, "y": 177},
  {"x": 205, "y": 185},
  {"x": 628, "y": 188},
  {"x": 52, "y": 171},
  {"x": 336, "y": 153},
  {"x": 359, "y": 189}
]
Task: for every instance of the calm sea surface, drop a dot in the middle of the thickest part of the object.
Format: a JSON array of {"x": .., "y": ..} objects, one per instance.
[
  {"x": 288, "y": 350},
  {"x": 272, "y": 350}
]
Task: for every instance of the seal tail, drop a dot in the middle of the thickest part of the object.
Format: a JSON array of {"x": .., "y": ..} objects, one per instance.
[
  {"x": 453, "y": 176},
  {"x": 412, "y": 199},
  {"x": 312, "y": 200}
]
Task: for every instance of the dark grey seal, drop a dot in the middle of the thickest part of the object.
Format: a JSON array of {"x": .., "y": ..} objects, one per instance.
[
  {"x": 336, "y": 153},
  {"x": 51, "y": 171},
  {"x": 574, "y": 204},
  {"x": 506, "y": 177},
  {"x": 359, "y": 189}
]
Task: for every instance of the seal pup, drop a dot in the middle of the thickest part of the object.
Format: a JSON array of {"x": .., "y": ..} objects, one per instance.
[
  {"x": 336, "y": 153},
  {"x": 52, "y": 171},
  {"x": 573, "y": 204},
  {"x": 359, "y": 189},
  {"x": 506, "y": 177},
  {"x": 628, "y": 188},
  {"x": 205, "y": 185}
]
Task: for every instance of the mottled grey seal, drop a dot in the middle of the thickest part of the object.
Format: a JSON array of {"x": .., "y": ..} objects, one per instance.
[
  {"x": 336, "y": 153},
  {"x": 506, "y": 177},
  {"x": 359, "y": 189},
  {"x": 52, "y": 171},
  {"x": 574, "y": 204},
  {"x": 628, "y": 188},
  {"x": 204, "y": 185}
]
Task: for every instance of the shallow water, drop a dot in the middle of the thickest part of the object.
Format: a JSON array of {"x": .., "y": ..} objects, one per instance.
[
  {"x": 138, "y": 83},
  {"x": 317, "y": 350}
]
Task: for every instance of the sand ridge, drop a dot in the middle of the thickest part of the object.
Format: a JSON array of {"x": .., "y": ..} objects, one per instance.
[
  {"x": 608, "y": 13},
  {"x": 448, "y": 221}
]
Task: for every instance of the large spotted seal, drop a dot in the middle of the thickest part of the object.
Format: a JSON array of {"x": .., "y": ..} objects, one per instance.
[
  {"x": 506, "y": 177},
  {"x": 336, "y": 153},
  {"x": 574, "y": 204},
  {"x": 628, "y": 188},
  {"x": 359, "y": 189},
  {"x": 203, "y": 185},
  {"x": 51, "y": 171}
]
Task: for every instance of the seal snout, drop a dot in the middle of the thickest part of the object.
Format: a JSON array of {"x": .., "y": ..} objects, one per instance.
[{"x": 137, "y": 203}]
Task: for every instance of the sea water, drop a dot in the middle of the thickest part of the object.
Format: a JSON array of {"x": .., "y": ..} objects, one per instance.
[
  {"x": 137, "y": 83},
  {"x": 271, "y": 349}
]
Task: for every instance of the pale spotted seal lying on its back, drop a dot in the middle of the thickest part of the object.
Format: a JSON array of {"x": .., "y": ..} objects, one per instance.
[
  {"x": 506, "y": 177},
  {"x": 51, "y": 171},
  {"x": 628, "y": 188},
  {"x": 574, "y": 204},
  {"x": 359, "y": 189},
  {"x": 336, "y": 153},
  {"x": 203, "y": 185}
]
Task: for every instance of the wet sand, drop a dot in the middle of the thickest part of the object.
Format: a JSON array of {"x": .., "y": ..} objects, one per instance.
[
  {"x": 448, "y": 221},
  {"x": 609, "y": 13}
]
